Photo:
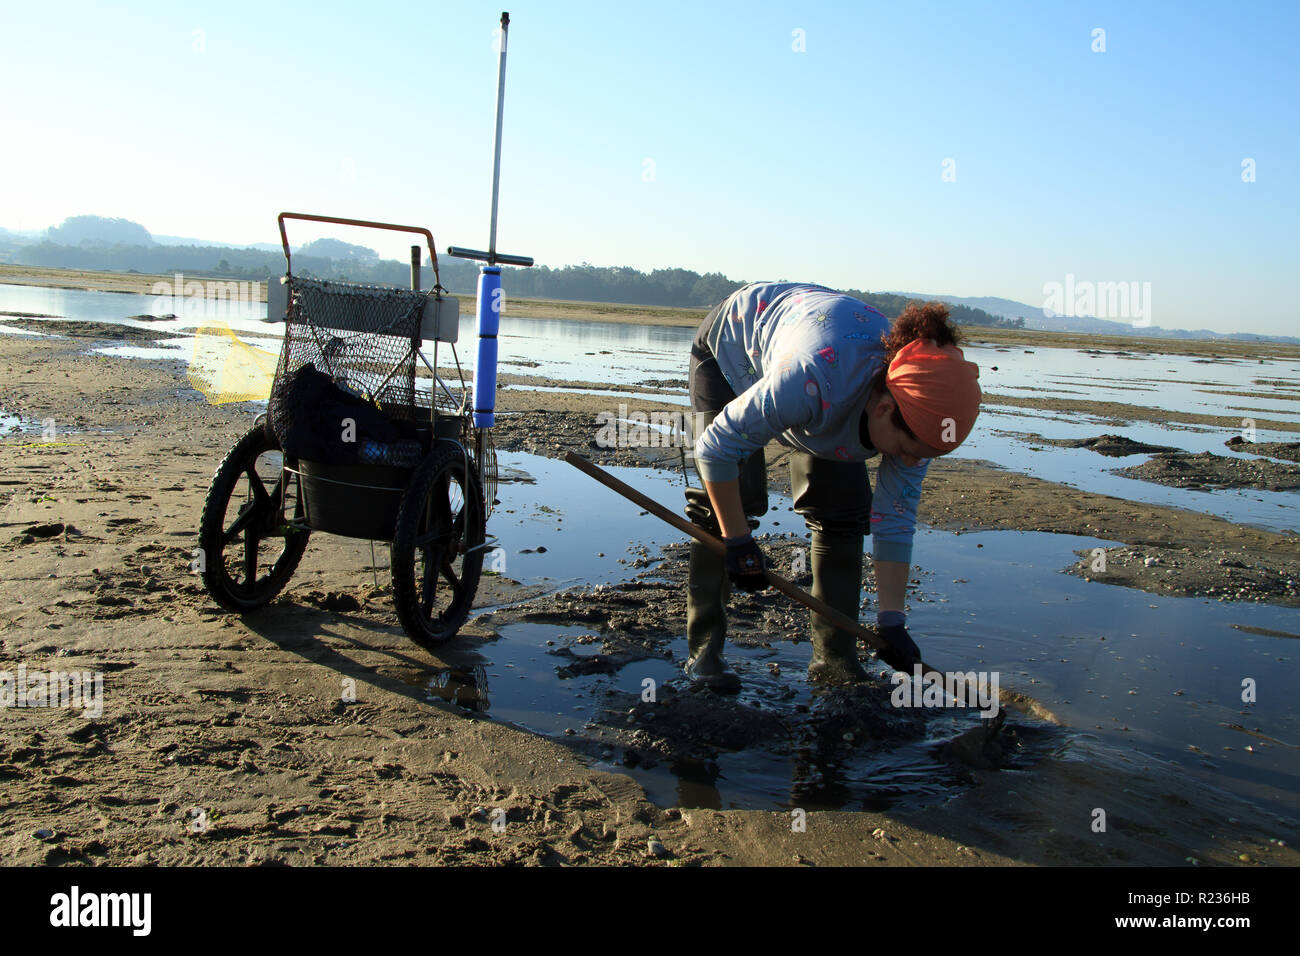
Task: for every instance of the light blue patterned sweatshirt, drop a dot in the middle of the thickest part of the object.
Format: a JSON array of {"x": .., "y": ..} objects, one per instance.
[{"x": 800, "y": 359}]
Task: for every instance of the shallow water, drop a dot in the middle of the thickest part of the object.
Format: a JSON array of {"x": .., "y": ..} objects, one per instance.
[
  {"x": 648, "y": 398},
  {"x": 166, "y": 350},
  {"x": 1002, "y": 437},
  {"x": 116, "y": 308},
  {"x": 11, "y": 330},
  {"x": 11, "y": 424},
  {"x": 1184, "y": 383},
  {"x": 556, "y": 513},
  {"x": 615, "y": 352},
  {"x": 1157, "y": 675}
]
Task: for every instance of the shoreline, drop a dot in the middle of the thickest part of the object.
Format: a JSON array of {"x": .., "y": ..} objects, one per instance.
[{"x": 142, "y": 284}]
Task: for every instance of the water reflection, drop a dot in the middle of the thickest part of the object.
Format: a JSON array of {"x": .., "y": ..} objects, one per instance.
[{"x": 466, "y": 687}]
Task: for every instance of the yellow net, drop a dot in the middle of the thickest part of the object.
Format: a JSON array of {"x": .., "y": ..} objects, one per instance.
[{"x": 226, "y": 369}]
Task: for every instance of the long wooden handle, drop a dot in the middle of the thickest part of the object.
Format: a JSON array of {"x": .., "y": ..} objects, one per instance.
[
  {"x": 781, "y": 584},
  {"x": 840, "y": 620}
]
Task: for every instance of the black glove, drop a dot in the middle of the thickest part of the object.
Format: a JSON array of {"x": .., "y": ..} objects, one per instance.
[
  {"x": 902, "y": 653},
  {"x": 746, "y": 564},
  {"x": 700, "y": 510}
]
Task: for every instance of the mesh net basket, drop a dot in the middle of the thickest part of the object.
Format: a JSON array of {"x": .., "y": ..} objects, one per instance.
[{"x": 363, "y": 337}]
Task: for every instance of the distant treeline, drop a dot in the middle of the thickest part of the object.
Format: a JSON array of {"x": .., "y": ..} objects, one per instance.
[{"x": 585, "y": 283}]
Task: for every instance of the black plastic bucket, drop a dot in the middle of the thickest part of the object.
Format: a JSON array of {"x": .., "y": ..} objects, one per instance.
[
  {"x": 355, "y": 501},
  {"x": 447, "y": 426}
]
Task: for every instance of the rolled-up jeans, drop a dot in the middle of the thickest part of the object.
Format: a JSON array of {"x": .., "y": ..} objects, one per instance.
[{"x": 833, "y": 497}]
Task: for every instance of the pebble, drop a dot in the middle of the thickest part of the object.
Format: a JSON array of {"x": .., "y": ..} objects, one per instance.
[
  {"x": 44, "y": 834},
  {"x": 655, "y": 848},
  {"x": 1244, "y": 857}
]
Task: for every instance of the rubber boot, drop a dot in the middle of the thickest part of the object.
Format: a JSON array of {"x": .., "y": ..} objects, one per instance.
[
  {"x": 706, "y": 621},
  {"x": 837, "y": 580}
]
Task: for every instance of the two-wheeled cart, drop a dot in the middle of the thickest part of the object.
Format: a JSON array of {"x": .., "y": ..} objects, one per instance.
[{"x": 357, "y": 442}]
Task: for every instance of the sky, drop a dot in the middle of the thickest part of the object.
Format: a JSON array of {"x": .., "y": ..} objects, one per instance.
[{"x": 961, "y": 148}]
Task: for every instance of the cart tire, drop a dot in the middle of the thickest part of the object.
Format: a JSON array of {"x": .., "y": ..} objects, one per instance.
[
  {"x": 436, "y": 555},
  {"x": 248, "y": 552}
]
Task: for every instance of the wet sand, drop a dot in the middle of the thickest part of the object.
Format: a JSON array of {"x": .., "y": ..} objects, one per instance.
[
  {"x": 1207, "y": 470},
  {"x": 237, "y": 723},
  {"x": 1288, "y": 450}
]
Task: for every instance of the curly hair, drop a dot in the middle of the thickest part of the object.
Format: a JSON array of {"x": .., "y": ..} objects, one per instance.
[
  {"x": 928, "y": 321},
  {"x": 918, "y": 321}
]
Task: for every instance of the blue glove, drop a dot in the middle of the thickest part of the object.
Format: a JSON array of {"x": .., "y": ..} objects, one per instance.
[{"x": 746, "y": 565}]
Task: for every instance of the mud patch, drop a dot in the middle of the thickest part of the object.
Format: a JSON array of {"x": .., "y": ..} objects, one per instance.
[
  {"x": 552, "y": 434},
  {"x": 99, "y": 331},
  {"x": 1210, "y": 471},
  {"x": 1112, "y": 446},
  {"x": 1290, "y": 450},
  {"x": 1191, "y": 572}
]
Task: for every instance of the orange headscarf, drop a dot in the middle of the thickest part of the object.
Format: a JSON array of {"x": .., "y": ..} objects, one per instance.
[{"x": 937, "y": 391}]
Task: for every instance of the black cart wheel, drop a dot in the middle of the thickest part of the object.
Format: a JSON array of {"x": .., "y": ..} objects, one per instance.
[
  {"x": 249, "y": 551},
  {"x": 437, "y": 556}
]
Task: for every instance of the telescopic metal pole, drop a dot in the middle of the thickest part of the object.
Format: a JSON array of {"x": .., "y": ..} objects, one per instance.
[
  {"x": 496, "y": 159},
  {"x": 491, "y": 257}
]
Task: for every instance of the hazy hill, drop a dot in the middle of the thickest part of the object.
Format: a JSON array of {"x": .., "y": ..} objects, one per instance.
[
  {"x": 1036, "y": 318},
  {"x": 97, "y": 229},
  {"x": 335, "y": 249}
]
